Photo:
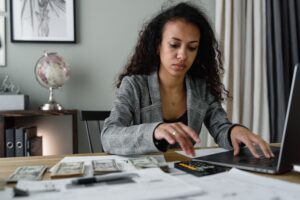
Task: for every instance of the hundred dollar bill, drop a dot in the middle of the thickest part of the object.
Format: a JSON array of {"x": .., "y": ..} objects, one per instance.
[
  {"x": 149, "y": 162},
  {"x": 68, "y": 169},
  {"x": 2, "y": 184},
  {"x": 144, "y": 162},
  {"x": 105, "y": 166},
  {"x": 27, "y": 173}
]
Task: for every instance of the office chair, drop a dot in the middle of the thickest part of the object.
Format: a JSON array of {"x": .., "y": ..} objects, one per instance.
[{"x": 95, "y": 116}]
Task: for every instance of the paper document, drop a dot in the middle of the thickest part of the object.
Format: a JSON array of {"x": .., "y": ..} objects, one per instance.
[
  {"x": 238, "y": 184},
  {"x": 150, "y": 183},
  {"x": 203, "y": 152}
]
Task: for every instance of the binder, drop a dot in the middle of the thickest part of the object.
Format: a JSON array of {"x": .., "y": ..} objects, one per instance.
[
  {"x": 19, "y": 142},
  {"x": 10, "y": 142},
  {"x": 30, "y": 133}
]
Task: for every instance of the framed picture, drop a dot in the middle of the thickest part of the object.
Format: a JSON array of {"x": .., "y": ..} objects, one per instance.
[
  {"x": 2, "y": 33},
  {"x": 44, "y": 21}
]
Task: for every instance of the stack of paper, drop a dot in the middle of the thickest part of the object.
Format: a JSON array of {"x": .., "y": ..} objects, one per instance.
[{"x": 150, "y": 183}]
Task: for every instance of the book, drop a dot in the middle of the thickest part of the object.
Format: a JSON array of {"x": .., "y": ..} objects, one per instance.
[{"x": 10, "y": 142}]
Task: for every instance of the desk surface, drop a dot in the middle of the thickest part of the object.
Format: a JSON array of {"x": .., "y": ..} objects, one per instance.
[{"x": 8, "y": 165}]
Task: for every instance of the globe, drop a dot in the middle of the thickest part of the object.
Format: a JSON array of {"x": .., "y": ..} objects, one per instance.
[{"x": 51, "y": 71}]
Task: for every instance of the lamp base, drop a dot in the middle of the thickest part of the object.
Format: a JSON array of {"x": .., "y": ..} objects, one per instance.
[{"x": 51, "y": 106}]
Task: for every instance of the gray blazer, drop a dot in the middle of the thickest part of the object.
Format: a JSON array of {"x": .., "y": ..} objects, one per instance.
[{"x": 137, "y": 111}]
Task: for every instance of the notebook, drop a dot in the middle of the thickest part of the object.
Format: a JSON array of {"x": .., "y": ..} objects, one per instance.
[{"x": 285, "y": 155}]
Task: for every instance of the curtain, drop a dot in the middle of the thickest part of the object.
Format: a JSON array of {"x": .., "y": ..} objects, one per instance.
[
  {"x": 240, "y": 28},
  {"x": 283, "y": 40}
]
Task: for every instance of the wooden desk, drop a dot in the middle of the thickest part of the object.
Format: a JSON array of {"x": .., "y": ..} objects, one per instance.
[{"x": 8, "y": 165}]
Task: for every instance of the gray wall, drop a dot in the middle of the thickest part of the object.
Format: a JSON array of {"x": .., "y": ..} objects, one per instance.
[{"x": 107, "y": 32}]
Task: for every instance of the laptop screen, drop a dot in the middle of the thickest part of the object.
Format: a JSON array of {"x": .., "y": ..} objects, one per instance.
[{"x": 290, "y": 144}]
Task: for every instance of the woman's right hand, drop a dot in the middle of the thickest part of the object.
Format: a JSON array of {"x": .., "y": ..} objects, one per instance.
[{"x": 177, "y": 132}]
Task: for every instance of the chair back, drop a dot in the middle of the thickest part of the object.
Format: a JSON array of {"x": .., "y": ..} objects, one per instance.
[{"x": 89, "y": 116}]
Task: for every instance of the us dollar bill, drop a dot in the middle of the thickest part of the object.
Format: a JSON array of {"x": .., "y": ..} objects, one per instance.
[
  {"x": 2, "y": 184},
  {"x": 68, "y": 169},
  {"x": 144, "y": 162},
  {"x": 105, "y": 166},
  {"x": 27, "y": 173}
]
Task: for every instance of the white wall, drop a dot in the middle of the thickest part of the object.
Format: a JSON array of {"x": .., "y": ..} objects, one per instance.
[{"x": 107, "y": 32}]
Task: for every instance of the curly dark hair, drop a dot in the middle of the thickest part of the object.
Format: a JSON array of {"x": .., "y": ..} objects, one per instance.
[{"x": 208, "y": 63}]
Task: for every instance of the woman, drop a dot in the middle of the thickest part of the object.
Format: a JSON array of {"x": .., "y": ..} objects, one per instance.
[{"x": 170, "y": 86}]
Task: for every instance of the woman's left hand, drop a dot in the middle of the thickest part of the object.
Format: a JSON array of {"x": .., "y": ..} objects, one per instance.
[{"x": 240, "y": 135}]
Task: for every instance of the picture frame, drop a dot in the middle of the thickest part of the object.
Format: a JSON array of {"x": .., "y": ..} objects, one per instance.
[
  {"x": 47, "y": 21},
  {"x": 2, "y": 34}
]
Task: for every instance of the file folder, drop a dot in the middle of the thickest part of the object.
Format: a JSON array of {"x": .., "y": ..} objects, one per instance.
[
  {"x": 30, "y": 133},
  {"x": 19, "y": 142},
  {"x": 10, "y": 142}
]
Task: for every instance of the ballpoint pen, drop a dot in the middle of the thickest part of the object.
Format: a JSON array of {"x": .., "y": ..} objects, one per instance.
[{"x": 104, "y": 178}]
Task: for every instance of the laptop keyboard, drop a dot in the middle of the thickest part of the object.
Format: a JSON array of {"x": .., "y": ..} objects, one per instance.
[{"x": 247, "y": 157}]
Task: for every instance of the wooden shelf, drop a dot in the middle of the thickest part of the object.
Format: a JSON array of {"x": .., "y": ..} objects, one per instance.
[
  {"x": 8, "y": 118},
  {"x": 30, "y": 113}
]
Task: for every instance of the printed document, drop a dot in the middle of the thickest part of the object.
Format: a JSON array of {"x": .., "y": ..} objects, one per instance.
[
  {"x": 150, "y": 183},
  {"x": 203, "y": 152},
  {"x": 238, "y": 184}
]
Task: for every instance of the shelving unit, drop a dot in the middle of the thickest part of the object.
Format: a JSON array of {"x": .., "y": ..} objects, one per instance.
[{"x": 9, "y": 119}]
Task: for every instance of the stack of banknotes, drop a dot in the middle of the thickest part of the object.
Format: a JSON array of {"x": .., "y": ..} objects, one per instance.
[
  {"x": 68, "y": 169},
  {"x": 148, "y": 162},
  {"x": 27, "y": 173},
  {"x": 105, "y": 166},
  {"x": 144, "y": 162},
  {"x": 2, "y": 184},
  {"x": 73, "y": 169}
]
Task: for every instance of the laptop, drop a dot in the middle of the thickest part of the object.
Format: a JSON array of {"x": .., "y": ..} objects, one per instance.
[{"x": 285, "y": 155}]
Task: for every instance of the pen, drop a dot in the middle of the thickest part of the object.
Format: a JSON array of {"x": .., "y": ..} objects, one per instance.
[{"x": 103, "y": 178}]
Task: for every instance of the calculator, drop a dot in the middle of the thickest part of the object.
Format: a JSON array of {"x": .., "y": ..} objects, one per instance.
[{"x": 198, "y": 168}]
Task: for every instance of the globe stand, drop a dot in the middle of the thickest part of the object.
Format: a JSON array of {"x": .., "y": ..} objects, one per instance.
[{"x": 52, "y": 104}]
